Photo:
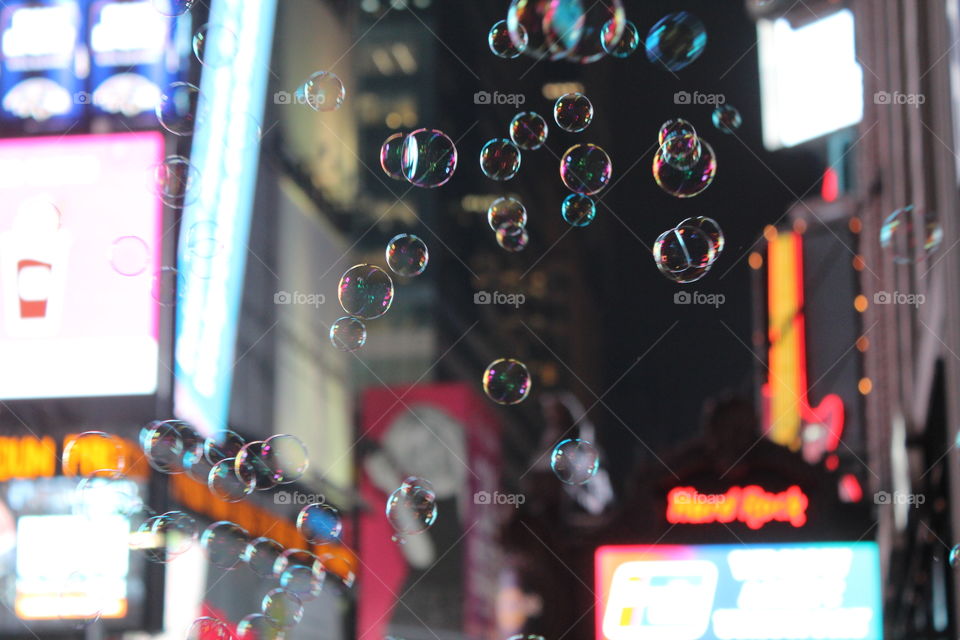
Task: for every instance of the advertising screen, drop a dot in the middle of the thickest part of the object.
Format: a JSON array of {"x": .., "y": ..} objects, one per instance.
[
  {"x": 732, "y": 592},
  {"x": 79, "y": 244}
]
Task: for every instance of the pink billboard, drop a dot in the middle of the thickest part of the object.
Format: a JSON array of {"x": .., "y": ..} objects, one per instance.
[{"x": 80, "y": 235}]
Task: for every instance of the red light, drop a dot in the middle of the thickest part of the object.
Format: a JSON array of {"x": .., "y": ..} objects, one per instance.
[
  {"x": 751, "y": 505},
  {"x": 831, "y": 186},
  {"x": 850, "y": 489},
  {"x": 832, "y": 462}
]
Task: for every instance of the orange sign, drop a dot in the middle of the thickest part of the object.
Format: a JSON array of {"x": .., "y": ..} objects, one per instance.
[
  {"x": 751, "y": 505},
  {"x": 33, "y": 457}
]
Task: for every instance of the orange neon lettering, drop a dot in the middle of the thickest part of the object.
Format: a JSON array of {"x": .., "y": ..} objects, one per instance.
[{"x": 751, "y": 505}]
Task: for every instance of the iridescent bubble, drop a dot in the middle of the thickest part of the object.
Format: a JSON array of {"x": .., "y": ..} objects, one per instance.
[
  {"x": 225, "y": 484},
  {"x": 285, "y": 457},
  {"x": 525, "y": 25},
  {"x": 261, "y": 556},
  {"x": 686, "y": 183},
  {"x": 348, "y": 333},
  {"x": 578, "y": 210},
  {"x": 196, "y": 465},
  {"x": 407, "y": 255},
  {"x": 365, "y": 291},
  {"x": 319, "y": 523},
  {"x": 625, "y": 45},
  {"x": 502, "y": 44},
  {"x": 323, "y": 91},
  {"x": 684, "y": 247},
  {"x": 282, "y": 607},
  {"x": 506, "y": 210},
  {"x": 507, "y": 381},
  {"x": 163, "y": 446},
  {"x": 176, "y": 532},
  {"x": 676, "y": 40},
  {"x": 176, "y": 182},
  {"x": 585, "y": 169},
  {"x": 222, "y": 444},
  {"x": 225, "y": 543},
  {"x": 215, "y": 45},
  {"x": 686, "y": 276},
  {"x": 528, "y": 130},
  {"x": 573, "y": 112},
  {"x": 512, "y": 237},
  {"x": 391, "y": 156},
  {"x": 954, "y": 557},
  {"x": 94, "y": 451},
  {"x": 910, "y": 237},
  {"x": 575, "y": 461},
  {"x": 412, "y": 508},
  {"x": 681, "y": 151},
  {"x": 179, "y": 108},
  {"x": 143, "y": 539},
  {"x": 300, "y": 572},
  {"x": 429, "y": 158},
  {"x": 251, "y": 465},
  {"x": 173, "y": 8},
  {"x": 207, "y": 628},
  {"x": 595, "y": 35},
  {"x": 203, "y": 240},
  {"x": 257, "y": 626},
  {"x": 129, "y": 255},
  {"x": 675, "y": 127},
  {"x": 710, "y": 227},
  {"x": 500, "y": 159},
  {"x": 727, "y": 118}
]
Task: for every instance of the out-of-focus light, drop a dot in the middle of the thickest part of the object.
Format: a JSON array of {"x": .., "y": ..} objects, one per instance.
[
  {"x": 394, "y": 120},
  {"x": 863, "y": 343},
  {"x": 832, "y": 462},
  {"x": 855, "y": 225},
  {"x": 831, "y": 186},
  {"x": 383, "y": 62},
  {"x": 865, "y": 386},
  {"x": 860, "y": 303},
  {"x": 404, "y": 57},
  {"x": 476, "y": 203},
  {"x": 755, "y": 260},
  {"x": 370, "y": 6},
  {"x": 421, "y": 4},
  {"x": 399, "y": 4},
  {"x": 800, "y": 225},
  {"x": 770, "y": 233},
  {"x": 850, "y": 489},
  {"x": 409, "y": 118},
  {"x": 553, "y": 90},
  {"x": 858, "y": 263}
]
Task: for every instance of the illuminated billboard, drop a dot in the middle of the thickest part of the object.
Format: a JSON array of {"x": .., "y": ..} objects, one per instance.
[
  {"x": 79, "y": 244},
  {"x": 829, "y": 591}
]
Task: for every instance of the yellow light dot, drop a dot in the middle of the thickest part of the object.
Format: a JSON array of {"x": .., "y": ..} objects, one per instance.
[
  {"x": 770, "y": 233},
  {"x": 863, "y": 343},
  {"x": 755, "y": 260},
  {"x": 865, "y": 386},
  {"x": 799, "y": 225},
  {"x": 855, "y": 225},
  {"x": 858, "y": 263},
  {"x": 394, "y": 120},
  {"x": 860, "y": 303}
]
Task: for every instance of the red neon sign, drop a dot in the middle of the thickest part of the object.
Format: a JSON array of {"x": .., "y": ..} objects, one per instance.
[{"x": 751, "y": 505}]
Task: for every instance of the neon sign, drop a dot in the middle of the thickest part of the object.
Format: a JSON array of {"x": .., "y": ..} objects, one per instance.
[{"x": 751, "y": 505}]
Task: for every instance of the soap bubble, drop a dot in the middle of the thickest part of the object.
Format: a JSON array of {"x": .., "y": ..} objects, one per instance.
[
  {"x": 575, "y": 461},
  {"x": 685, "y": 183},
  {"x": 225, "y": 484},
  {"x": 180, "y": 108},
  {"x": 726, "y": 118},
  {"x": 909, "y": 237},
  {"x": 512, "y": 237},
  {"x": 528, "y": 130},
  {"x": 506, "y": 210},
  {"x": 322, "y": 91},
  {"x": 257, "y": 626},
  {"x": 429, "y": 158},
  {"x": 627, "y": 43},
  {"x": 207, "y": 628},
  {"x": 578, "y": 210},
  {"x": 225, "y": 543},
  {"x": 391, "y": 156},
  {"x": 573, "y": 112},
  {"x": 93, "y": 451},
  {"x": 163, "y": 446},
  {"x": 365, "y": 291},
  {"x": 348, "y": 333},
  {"x": 500, "y": 159},
  {"x": 176, "y": 532},
  {"x": 954, "y": 557},
  {"x": 319, "y": 523},
  {"x": 525, "y": 25},
  {"x": 285, "y": 457},
  {"x": 675, "y": 127},
  {"x": 222, "y": 444},
  {"x": 710, "y": 227},
  {"x": 684, "y": 247},
  {"x": 300, "y": 572},
  {"x": 407, "y": 255},
  {"x": 585, "y": 169},
  {"x": 412, "y": 508},
  {"x": 215, "y": 45},
  {"x": 282, "y": 607},
  {"x": 261, "y": 556},
  {"x": 676, "y": 40},
  {"x": 502, "y": 44},
  {"x": 574, "y": 29},
  {"x": 682, "y": 152},
  {"x": 176, "y": 182},
  {"x": 506, "y": 381},
  {"x": 251, "y": 465}
]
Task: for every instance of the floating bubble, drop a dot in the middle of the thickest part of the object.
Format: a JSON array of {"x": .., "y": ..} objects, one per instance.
[
  {"x": 502, "y": 45},
  {"x": 391, "y": 156},
  {"x": 727, "y": 118},
  {"x": 685, "y": 276},
  {"x": 94, "y": 451},
  {"x": 163, "y": 446},
  {"x": 300, "y": 572},
  {"x": 251, "y": 465},
  {"x": 106, "y": 493},
  {"x": 348, "y": 333},
  {"x": 202, "y": 240},
  {"x": 574, "y": 461},
  {"x": 129, "y": 255},
  {"x": 429, "y": 158},
  {"x": 257, "y": 626},
  {"x": 225, "y": 543},
  {"x": 282, "y": 607},
  {"x": 676, "y": 40},
  {"x": 954, "y": 557},
  {"x": 592, "y": 20},
  {"x": 196, "y": 465},
  {"x": 681, "y": 151},
  {"x": 179, "y": 108},
  {"x": 323, "y": 91},
  {"x": 173, "y": 8},
  {"x": 319, "y": 523},
  {"x": 686, "y": 183},
  {"x": 500, "y": 159},
  {"x": 167, "y": 286},
  {"x": 407, "y": 255},
  {"x": 412, "y": 508},
  {"x": 573, "y": 112},
  {"x": 506, "y": 381},
  {"x": 684, "y": 247},
  {"x": 365, "y": 291},
  {"x": 578, "y": 210},
  {"x": 176, "y": 182},
  {"x": 909, "y": 237},
  {"x": 207, "y": 628},
  {"x": 225, "y": 484},
  {"x": 222, "y": 444},
  {"x": 710, "y": 227},
  {"x": 528, "y": 130},
  {"x": 525, "y": 26},
  {"x": 627, "y": 42},
  {"x": 215, "y": 45},
  {"x": 512, "y": 237},
  {"x": 143, "y": 539},
  {"x": 506, "y": 210},
  {"x": 585, "y": 169},
  {"x": 176, "y": 531},
  {"x": 261, "y": 556},
  {"x": 285, "y": 456},
  {"x": 675, "y": 127}
]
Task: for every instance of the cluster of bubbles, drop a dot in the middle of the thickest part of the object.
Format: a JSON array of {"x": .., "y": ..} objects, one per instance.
[
  {"x": 411, "y": 508},
  {"x": 508, "y": 218},
  {"x": 684, "y": 165},
  {"x": 909, "y": 236},
  {"x": 425, "y": 158},
  {"x": 365, "y": 292},
  {"x": 686, "y": 253}
]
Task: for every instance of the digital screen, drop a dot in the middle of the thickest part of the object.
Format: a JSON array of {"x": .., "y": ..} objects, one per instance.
[
  {"x": 79, "y": 246},
  {"x": 828, "y": 591}
]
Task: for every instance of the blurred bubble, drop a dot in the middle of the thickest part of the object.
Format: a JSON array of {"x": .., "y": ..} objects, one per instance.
[
  {"x": 528, "y": 130},
  {"x": 627, "y": 43},
  {"x": 207, "y": 628},
  {"x": 391, "y": 156},
  {"x": 196, "y": 465},
  {"x": 506, "y": 381},
  {"x": 143, "y": 539},
  {"x": 500, "y": 159},
  {"x": 711, "y": 228},
  {"x": 684, "y": 247},
  {"x": 257, "y": 626},
  {"x": 129, "y": 255},
  {"x": 250, "y": 465},
  {"x": 412, "y": 508},
  {"x": 910, "y": 237},
  {"x": 681, "y": 151},
  {"x": 675, "y": 127},
  {"x": 676, "y": 40},
  {"x": 176, "y": 182},
  {"x": 300, "y": 572},
  {"x": 215, "y": 45},
  {"x": 261, "y": 556},
  {"x": 225, "y": 543},
  {"x": 94, "y": 451},
  {"x": 685, "y": 276},
  {"x": 502, "y": 45},
  {"x": 348, "y": 333},
  {"x": 176, "y": 531},
  {"x": 573, "y": 112},
  {"x": 601, "y": 26},
  {"x": 512, "y": 237},
  {"x": 726, "y": 118},
  {"x": 163, "y": 447},
  {"x": 506, "y": 210},
  {"x": 319, "y": 523},
  {"x": 954, "y": 557},
  {"x": 282, "y": 607},
  {"x": 104, "y": 493},
  {"x": 285, "y": 456},
  {"x": 574, "y": 461},
  {"x": 225, "y": 484},
  {"x": 429, "y": 158},
  {"x": 578, "y": 210},
  {"x": 585, "y": 169},
  {"x": 685, "y": 183},
  {"x": 365, "y": 291},
  {"x": 173, "y": 8},
  {"x": 323, "y": 91},
  {"x": 407, "y": 255},
  {"x": 202, "y": 240},
  {"x": 222, "y": 444},
  {"x": 179, "y": 108},
  {"x": 525, "y": 25}
]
